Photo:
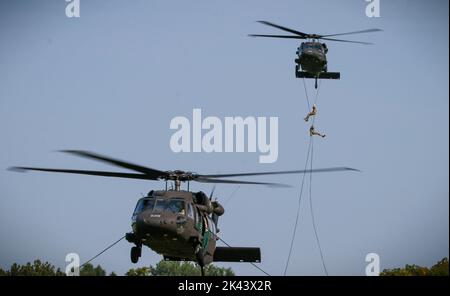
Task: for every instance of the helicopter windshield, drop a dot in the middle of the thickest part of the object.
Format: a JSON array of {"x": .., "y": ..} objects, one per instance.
[
  {"x": 175, "y": 206},
  {"x": 144, "y": 204},
  {"x": 312, "y": 46}
]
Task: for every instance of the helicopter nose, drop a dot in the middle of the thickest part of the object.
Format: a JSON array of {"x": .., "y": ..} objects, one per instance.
[
  {"x": 146, "y": 222},
  {"x": 149, "y": 222}
]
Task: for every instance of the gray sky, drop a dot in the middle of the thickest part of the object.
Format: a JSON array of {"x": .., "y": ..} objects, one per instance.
[{"x": 112, "y": 80}]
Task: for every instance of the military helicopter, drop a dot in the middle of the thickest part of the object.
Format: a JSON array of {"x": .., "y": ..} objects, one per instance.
[
  {"x": 312, "y": 55},
  {"x": 180, "y": 225}
]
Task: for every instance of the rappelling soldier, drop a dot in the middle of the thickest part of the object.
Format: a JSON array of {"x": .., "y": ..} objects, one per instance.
[
  {"x": 312, "y": 113},
  {"x": 313, "y": 132}
]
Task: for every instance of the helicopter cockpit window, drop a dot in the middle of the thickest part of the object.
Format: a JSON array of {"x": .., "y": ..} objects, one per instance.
[
  {"x": 196, "y": 218},
  {"x": 144, "y": 204},
  {"x": 176, "y": 206},
  {"x": 148, "y": 204},
  {"x": 138, "y": 208},
  {"x": 190, "y": 211},
  {"x": 160, "y": 205}
]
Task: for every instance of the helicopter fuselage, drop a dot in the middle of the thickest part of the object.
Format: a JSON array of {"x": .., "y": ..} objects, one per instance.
[
  {"x": 312, "y": 57},
  {"x": 170, "y": 223},
  {"x": 312, "y": 62}
]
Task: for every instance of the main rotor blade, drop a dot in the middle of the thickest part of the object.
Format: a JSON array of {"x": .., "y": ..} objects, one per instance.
[
  {"x": 348, "y": 41},
  {"x": 324, "y": 170},
  {"x": 209, "y": 180},
  {"x": 284, "y": 28},
  {"x": 355, "y": 32},
  {"x": 84, "y": 172},
  {"x": 145, "y": 170},
  {"x": 277, "y": 36}
]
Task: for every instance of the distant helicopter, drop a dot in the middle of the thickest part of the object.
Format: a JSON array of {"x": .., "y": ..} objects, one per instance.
[
  {"x": 180, "y": 225},
  {"x": 312, "y": 55}
]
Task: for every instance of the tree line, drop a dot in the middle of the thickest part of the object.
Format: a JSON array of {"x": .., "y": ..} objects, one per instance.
[
  {"x": 162, "y": 268},
  {"x": 439, "y": 269},
  {"x": 174, "y": 268}
]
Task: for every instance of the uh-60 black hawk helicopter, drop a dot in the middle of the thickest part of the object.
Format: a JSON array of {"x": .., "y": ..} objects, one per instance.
[
  {"x": 312, "y": 55},
  {"x": 180, "y": 225}
]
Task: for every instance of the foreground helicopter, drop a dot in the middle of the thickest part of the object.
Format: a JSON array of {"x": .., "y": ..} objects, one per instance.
[
  {"x": 312, "y": 55},
  {"x": 180, "y": 225}
]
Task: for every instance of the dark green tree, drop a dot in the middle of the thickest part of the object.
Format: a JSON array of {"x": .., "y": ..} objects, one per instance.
[
  {"x": 439, "y": 269},
  {"x": 141, "y": 271},
  {"x": 177, "y": 268},
  {"x": 46, "y": 269},
  {"x": 212, "y": 270},
  {"x": 36, "y": 269},
  {"x": 90, "y": 270},
  {"x": 174, "y": 268}
]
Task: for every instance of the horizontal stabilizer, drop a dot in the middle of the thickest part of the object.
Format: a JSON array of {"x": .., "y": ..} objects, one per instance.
[
  {"x": 227, "y": 254},
  {"x": 323, "y": 75}
]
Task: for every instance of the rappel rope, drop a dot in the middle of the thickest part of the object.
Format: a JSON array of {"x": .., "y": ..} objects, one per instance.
[
  {"x": 306, "y": 93},
  {"x": 310, "y": 195},
  {"x": 298, "y": 210},
  {"x": 301, "y": 191},
  {"x": 309, "y": 160},
  {"x": 312, "y": 212}
]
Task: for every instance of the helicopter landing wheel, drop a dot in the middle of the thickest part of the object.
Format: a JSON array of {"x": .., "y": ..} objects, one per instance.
[{"x": 135, "y": 254}]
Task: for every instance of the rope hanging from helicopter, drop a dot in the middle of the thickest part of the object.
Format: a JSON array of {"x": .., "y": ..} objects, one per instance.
[
  {"x": 310, "y": 193},
  {"x": 101, "y": 252},
  {"x": 309, "y": 161}
]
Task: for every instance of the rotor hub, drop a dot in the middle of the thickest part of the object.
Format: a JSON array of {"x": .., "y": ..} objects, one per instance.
[{"x": 179, "y": 175}]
